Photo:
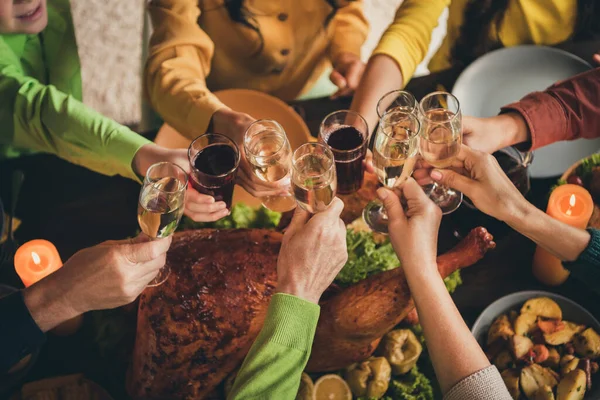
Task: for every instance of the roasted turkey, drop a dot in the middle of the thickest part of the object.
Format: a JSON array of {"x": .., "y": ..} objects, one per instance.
[{"x": 196, "y": 328}]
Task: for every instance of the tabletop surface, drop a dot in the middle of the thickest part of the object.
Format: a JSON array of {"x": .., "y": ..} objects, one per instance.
[{"x": 75, "y": 208}]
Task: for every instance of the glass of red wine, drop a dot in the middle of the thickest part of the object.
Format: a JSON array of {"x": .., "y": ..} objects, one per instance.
[
  {"x": 400, "y": 99},
  {"x": 214, "y": 159},
  {"x": 346, "y": 134}
]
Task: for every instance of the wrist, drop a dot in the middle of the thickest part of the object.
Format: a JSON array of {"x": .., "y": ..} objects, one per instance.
[
  {"x": 146, "y": 156},
  {"x": 298, "y": 291},
  {"x": 516, "y": 128},
  {"x": 50, "y": 304},
  {"x": 518, "y": 212}
]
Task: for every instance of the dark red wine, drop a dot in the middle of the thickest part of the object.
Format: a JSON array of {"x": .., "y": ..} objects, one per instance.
[
  {"x": 215, "y": 174},
  {"x": 349, "y": 148}
]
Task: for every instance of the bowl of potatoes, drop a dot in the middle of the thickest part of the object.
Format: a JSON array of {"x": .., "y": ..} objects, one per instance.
[{"x": 545, "y": 346}]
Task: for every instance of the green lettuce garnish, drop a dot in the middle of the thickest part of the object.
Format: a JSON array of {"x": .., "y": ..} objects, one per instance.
[
  {"x": 412, "y": 386},
  {"x": 242, "y": 216}
]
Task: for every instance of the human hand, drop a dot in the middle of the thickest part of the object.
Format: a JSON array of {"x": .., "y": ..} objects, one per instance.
[
  {"x": 368, "y": 162},
  {"x": 414, "y": 232},
  {"x": 483, "y": 181},
  {"x": 234, "y": 125},
  {"x": 112, "y": 273},
  {"x": 312, "y": 253},
  {"x": 494, "y": 133},
  {"x": 199, "y": 207},
  {"x": 597, "y": 58},
  {"x": 346, "y": 74}
]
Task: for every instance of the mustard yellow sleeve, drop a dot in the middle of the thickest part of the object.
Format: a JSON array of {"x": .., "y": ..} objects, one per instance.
[
  {"x": 407, "y": 39},
  {"x": 179, "y": 60},
  {"x": 350, "y": 30}
]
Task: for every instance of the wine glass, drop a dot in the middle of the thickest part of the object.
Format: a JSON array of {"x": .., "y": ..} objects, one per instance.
[
  {"x": 401, "y": 99},
  {"x": 346, "y": 134},
  {"x": 314, "y": 180},
  {"x": 394, "y": 157},
  {"x": 441, "y": 138},
  {"x": 214, "y": 160},
  {"x": 269, "y": 153},
  {"x": 161, "y": 205}
]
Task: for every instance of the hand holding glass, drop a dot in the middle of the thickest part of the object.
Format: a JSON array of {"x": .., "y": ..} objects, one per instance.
[{"x": 313, "y": 177}]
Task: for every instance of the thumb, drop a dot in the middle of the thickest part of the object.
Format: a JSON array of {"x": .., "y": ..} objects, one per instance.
[
  {"x": 338, "y": 79},
  {"x": 141, "y": 238},
  {"x": 413, "y": 191},
  {"x": 301, "y": 216},
  {"x": 392, "y": 205},
  {"x": 452, "y": 179}
]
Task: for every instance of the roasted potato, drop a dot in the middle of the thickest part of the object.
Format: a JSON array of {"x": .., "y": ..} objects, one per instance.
[
  {"x": 306, "y": 389},
  {"x": 500, "y": 329},
  {"x": 525, "y": 323},
  {"x": 503, "y": 360},
  {"x": 542, "y": 307},
  {"x": 511, "y": 380},
  {"x": 572, "y": 386},
  {"x": 565, "y": 335},
  {"x": 544, "y": 393},
  {"x": 587, "y": 344},
  {"x": 569, "y": 364},
  {"x": 369, "y": 378},
  {"x": 520, "y": 346},
  {"x": 550, "y": 325},
  {"x": 536, "y": 377},
  {"x": 553, "y": 360},
  {"x": 402, "y": 349}
]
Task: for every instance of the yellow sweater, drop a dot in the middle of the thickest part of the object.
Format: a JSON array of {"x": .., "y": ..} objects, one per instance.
[
  {"x": 544, "y": 22},
  {"x": 197, "y": 48}
]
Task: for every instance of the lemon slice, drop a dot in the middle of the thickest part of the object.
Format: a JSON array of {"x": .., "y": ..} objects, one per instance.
[{"x": 331, "y": 387}]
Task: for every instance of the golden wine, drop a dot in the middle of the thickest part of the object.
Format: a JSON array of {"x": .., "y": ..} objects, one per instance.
[
  {"x": 315, "y": 184},
  {"x": 159, "y": 212},
  {"x": 395, "y": 169},
  {"x": 441, "y": 139}
]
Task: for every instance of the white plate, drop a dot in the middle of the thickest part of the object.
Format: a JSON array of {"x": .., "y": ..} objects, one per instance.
[{"x": 506, "y": 75}]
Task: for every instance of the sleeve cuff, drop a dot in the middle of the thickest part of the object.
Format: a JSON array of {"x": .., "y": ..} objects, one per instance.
[
  {"x": 21, "y": 336},
  {"x": 587, "y": 267},
  {"x": 350, "y": 42},
  {"x": 291, "y": 321},
  {"x": 124, "y": 144},
  {"x": 544, "y": 116},
  {"x": 484, "y": 384},
  {"x": 395, "y": 49}
]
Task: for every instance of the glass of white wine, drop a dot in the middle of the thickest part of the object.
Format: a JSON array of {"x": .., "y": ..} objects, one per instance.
[
  {"x": 400, "y": 99},
  {"x": 268, "y": 151},
  {"x": 161, "y": 205},
  {"x": 395, "y": 153},
  {"x": 441, "y": 138},
  {"x": 314, "y": 180}
]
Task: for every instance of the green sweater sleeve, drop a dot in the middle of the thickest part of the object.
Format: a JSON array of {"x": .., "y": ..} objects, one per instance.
[
  {"x": 39, "y": 117},
  {"x": 587, "y": 267},
  {"x": 274, "y": 365}
]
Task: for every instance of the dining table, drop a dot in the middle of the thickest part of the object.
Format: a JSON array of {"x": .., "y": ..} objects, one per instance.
[{"x": 75, "y": 208}]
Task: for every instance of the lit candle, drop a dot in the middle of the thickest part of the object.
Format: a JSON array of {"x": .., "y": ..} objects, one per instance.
[
  {"x": 573, "y": 205},
  {"x": 35, "y": 260}
]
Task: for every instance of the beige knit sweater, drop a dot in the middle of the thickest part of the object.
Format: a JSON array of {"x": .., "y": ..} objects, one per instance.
[{"x": 486, "y": 384}]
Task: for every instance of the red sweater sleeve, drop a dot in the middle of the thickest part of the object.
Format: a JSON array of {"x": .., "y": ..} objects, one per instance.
[{"x": 567, "y": 110}]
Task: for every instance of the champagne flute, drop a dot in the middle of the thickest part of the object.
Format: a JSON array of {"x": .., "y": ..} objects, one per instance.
[
  {"x": 269, "y": 153},
  {"x": 346, "y": 134},
  {"x": 161, "y": 205},
  {"x": 441, "y": 138},
  {"x": 394, "y": 157},
  {"x": 214, "y": 160},
  {"x": 314, "y": 181},
  {"x": 400, "y": 99}
]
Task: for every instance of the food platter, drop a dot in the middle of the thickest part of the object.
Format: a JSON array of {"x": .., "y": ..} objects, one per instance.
[{"x": 570, "y": 311}]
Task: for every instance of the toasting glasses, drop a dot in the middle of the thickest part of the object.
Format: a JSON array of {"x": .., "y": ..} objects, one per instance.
[
  {"x": 161, "y": 205},
  {"x": 314, "y": 179},
  {"x": 394, "y": 157},
  {"x": 441, "y": 138}
]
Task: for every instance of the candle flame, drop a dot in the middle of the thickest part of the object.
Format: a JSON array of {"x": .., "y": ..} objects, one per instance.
[
  {"x": 572, "y": 200},
  {"x": 36, "y": 258}
]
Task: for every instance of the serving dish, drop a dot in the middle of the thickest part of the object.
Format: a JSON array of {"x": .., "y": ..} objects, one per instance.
[{"x": 571, "y": 311}]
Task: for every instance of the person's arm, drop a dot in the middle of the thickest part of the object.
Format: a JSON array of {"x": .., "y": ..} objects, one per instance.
[
  {"x": 42, "y": 118},
  {"x": 179, "y": 60},
  {"x": 567, "y": 110},
  {"x": 460, "y": 364},
  {"x": 313, "y": 251},
  {"x": 350, "y": 30},
  {"x": 279, "y": 354}
]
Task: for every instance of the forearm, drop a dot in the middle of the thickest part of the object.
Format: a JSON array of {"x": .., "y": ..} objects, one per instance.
[
  {"x": 560, "y": 239},
  {"x": 381, "y": 76},
  {"x": 454, "y": 352},
  {"x": 350, "y": 32},
  {"x": 48, "y": 303}
]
